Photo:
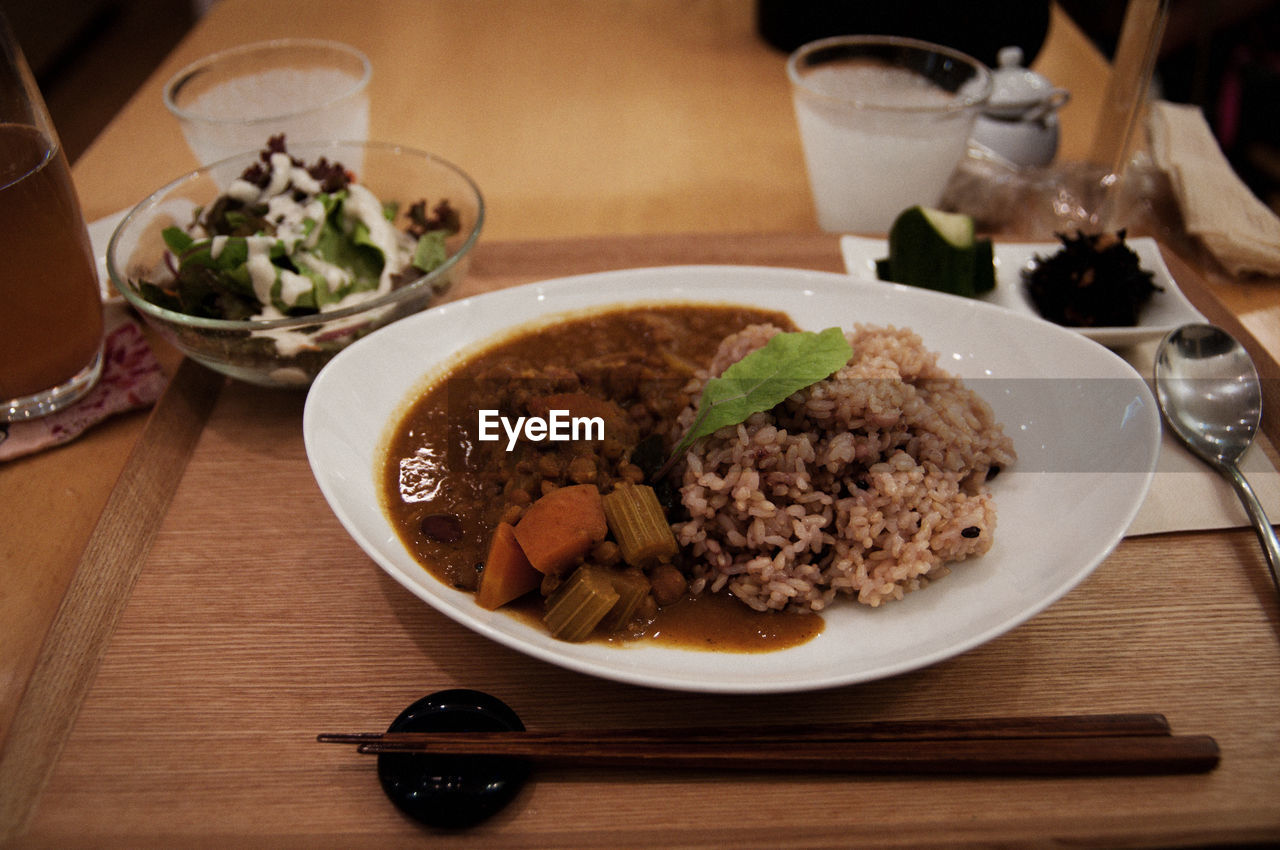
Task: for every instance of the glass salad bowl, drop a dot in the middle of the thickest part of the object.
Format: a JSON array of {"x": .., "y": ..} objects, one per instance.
[{"x": 264, "y": 266}]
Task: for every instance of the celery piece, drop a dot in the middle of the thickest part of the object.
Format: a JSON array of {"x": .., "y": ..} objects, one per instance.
[
  {"x": 638, "y": 524},
  {"x": 632, "y": 587},
  {"x": 578, "y": 605}
]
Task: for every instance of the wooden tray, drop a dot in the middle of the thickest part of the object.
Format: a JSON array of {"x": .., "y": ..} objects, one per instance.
[{"x": 221, "y": 617}]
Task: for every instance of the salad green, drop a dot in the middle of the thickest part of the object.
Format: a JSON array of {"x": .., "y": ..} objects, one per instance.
[{"x": 287, "y": 239}]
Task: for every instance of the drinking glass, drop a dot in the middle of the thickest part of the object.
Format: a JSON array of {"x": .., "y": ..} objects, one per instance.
[
  {"x": 50, "y": 301},
  {"x": 310, "y": 90},
  {"x": 883, "y": 121}
]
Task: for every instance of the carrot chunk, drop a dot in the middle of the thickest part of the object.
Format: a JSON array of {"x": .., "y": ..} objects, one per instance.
[
  {"x": 507, "y": 574},
  {"x": 560, "y": 528}
]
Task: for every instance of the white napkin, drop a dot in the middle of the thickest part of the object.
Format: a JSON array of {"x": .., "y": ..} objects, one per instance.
[
  {"x": 1186, "y": 494},
  {"x": 1218, "y": 208}
]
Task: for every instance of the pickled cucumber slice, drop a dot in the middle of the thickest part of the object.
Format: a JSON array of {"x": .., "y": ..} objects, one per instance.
[{"x": 938, "y": 250}]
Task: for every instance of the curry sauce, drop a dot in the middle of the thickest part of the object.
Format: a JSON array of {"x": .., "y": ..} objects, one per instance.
[{"x": 450, "y": 475}]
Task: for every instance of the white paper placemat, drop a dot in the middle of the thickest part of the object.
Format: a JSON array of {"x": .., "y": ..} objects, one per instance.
[{"x": 1186, "y": 493}]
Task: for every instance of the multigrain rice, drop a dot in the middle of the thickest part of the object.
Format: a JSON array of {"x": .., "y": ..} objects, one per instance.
[{"x": 866, "y": 484}]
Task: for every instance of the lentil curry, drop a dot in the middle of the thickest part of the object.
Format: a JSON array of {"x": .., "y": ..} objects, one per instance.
[{"x": 465, "y": 465}]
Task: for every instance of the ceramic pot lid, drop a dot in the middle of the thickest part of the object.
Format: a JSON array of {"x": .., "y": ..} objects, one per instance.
[{"x": 1016, "y": 90}]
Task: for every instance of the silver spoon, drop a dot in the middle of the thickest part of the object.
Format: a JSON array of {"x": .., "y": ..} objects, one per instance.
[{"x": 1209, "y": 393}]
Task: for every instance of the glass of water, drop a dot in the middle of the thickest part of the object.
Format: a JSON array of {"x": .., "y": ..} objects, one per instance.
[
  {"x": 310, "y": 90},
  {"x": 884, "y": 121}
]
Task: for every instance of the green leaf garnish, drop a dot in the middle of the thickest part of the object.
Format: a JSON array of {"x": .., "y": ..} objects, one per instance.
[{"x": 789, "y": 362}]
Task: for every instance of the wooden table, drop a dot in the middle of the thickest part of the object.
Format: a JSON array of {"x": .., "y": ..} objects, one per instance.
[{"x": 205, "y": 635}]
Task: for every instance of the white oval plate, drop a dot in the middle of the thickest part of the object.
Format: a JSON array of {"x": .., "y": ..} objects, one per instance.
[
  {"x": 1084, "y": 423},
  {"x": 1167, "y": 309}
]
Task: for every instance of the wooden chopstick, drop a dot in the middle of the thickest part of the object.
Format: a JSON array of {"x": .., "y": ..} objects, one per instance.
[
  {"x": 1059, "y": 745},
  {"x": 1046, "y": 726},
  {"x": 1041, "y": 756}
]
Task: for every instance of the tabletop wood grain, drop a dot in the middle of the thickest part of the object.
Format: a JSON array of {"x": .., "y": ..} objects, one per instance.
[{"x": 257, "y": 623}]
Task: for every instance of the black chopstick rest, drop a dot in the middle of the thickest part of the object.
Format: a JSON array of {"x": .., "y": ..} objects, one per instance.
[{"x": 453, "y": 791}]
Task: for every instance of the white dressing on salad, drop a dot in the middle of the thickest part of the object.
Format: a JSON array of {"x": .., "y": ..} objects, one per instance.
[
  {"x": 281, "y": 175},
  {"x": 335, "y": 276},
  {"x": 243, "y": 191},
  {"x": 279, "y": 244},
  {"x": 302, "y": 181},
  {"x": 295, "y": 223},
  {"x": 363, "y": 207},
  {"x": 293, "y": 286},
  {"x": 262, "y": 272},
  {"x": 297, "y": 229},
  {"x": 289, "y": 343}
]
